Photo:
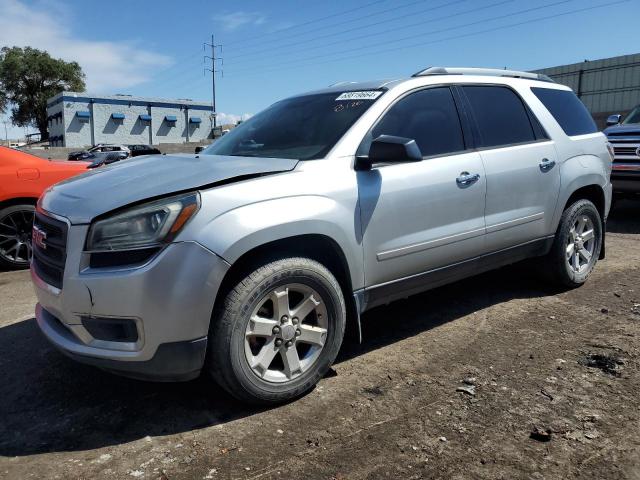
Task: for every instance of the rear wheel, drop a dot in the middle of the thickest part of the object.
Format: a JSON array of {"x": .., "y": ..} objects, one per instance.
[
  {"x": 278, "y": 331},
  {"x": 577, "y": 245},
  {"x": 16, "y": 223}
]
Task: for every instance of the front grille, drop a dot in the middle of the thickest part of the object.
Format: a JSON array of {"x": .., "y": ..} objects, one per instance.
[
  {"x": 49, "y": 261},
  {"x": 626, "y": 150}
]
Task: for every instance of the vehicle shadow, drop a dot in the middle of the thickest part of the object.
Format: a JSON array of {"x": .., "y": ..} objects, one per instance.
[
  {"x": 625, "y": 217},
  {"x": 50, "y": 403}
]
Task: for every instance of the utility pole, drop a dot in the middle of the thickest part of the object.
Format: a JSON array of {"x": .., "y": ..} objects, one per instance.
[
  {"x": 6, "y": 138},
  {"x": 213, "y": 71}
]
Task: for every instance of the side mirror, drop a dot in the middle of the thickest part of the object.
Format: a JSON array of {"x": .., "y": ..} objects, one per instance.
[
  {"x": 390, "y": 149},
  {"x": 199, "y": 149},
  {"x": 613, "y": 119}
]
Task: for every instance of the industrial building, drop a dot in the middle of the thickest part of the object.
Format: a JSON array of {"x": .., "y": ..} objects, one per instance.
[
  {"x": 82, "y": 119},
  {"x": 607, "y": 86}
]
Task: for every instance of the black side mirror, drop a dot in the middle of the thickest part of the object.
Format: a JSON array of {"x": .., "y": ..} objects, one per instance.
[
  {"x": 390, "y": 149},
  {"x": 613, "y": 119},
  {"x": 199, "y": 149}
]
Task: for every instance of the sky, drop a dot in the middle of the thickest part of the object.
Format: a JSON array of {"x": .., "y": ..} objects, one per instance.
[{"x": 273, "y": 49}]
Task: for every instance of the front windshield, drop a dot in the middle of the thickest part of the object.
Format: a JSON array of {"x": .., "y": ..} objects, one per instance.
[
  {"x": 302, "y": 128},
  {"x": 633, "y": 117}
]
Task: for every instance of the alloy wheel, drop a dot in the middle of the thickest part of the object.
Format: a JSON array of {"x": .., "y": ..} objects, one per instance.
[
  {"x": 15, "y": 237},
  {"x": 581, "y": 244},
  {"x": 286, "y": 333}
]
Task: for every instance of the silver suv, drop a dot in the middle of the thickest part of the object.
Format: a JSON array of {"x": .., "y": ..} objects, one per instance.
[{"x": 248, "y": 260}]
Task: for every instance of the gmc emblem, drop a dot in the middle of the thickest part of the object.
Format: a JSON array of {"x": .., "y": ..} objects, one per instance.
[{"x": 38, "y": 238}]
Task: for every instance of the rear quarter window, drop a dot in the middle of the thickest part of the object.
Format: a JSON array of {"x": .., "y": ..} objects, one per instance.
[{"x": 570, "y": 113}]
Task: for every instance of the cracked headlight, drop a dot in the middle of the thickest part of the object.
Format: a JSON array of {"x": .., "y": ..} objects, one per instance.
[{"x": 145, "y": 226}]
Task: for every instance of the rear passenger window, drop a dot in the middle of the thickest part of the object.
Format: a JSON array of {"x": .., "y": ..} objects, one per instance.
[
  {"x": 429, "y": 117},
  {"x": 501, "y": 116},
  {"x": 567, "y": 109}
]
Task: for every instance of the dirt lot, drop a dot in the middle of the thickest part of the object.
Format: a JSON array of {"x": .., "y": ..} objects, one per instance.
[{"x": 390, "y": 409}]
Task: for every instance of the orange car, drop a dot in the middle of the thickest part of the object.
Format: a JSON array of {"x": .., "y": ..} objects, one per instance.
[{"x": 23, "y": 178}]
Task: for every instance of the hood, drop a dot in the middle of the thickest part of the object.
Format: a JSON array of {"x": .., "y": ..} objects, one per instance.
[
  {"x": 621, "y": 130},
  {"x": 82, "y": 198}
]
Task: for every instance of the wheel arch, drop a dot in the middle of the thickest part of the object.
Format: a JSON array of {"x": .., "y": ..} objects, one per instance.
[
  {"x": 584, "y": 176},
  {"x": 18, "y": 201},
  {"x": 319, "y": 247},
  {"x": 596, "y": 195}
]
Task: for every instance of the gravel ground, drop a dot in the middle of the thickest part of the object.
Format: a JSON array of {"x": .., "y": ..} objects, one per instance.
[{"x": 494, "y": 377}]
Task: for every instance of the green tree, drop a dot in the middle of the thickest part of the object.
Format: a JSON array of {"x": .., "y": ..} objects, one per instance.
[{"x": 28, "y": 77}]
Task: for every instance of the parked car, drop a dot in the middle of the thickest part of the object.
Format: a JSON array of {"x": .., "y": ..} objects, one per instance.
[
  {"x": 100, "y": 148},
  {"x": 100, "y": 159},
  {"x": 624, "y": 135},
  {"x": 23, "y": 178},
  {"x": 137, "y": 150},
  {"x": 248, "y": 260}
]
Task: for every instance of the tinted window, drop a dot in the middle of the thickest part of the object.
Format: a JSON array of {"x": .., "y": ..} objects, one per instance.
[
  {"x": 303, "y": 128},
  {"x": 567, "y": 109},
  {"x": 429, "y": 117},
  {"x": 501, "y": 116}
]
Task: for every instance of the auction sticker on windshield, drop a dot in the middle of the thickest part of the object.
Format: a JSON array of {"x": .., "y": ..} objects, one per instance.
[{"x": 366, "y": 95}]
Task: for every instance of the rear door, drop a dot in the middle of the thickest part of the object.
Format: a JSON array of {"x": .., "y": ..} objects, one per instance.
[{"x": 521, "y": 166}]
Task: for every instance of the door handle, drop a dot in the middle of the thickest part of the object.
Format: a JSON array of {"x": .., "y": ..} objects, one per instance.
[
  {"x": 546, "y": 164},
  {"x": 465, "y": 179}
]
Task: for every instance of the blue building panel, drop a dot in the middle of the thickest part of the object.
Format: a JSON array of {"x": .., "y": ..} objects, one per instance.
[{"x": 80, "y": 119}]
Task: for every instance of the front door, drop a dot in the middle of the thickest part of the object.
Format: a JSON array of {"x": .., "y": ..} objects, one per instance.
[{"x": 420, "y": 216}]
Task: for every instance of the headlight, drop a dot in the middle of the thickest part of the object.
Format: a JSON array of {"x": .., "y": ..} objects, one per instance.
[{"x": 144, "y": 226}]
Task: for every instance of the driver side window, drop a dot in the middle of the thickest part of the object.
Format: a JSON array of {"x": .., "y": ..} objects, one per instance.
[{"x": 429, "y": 117}]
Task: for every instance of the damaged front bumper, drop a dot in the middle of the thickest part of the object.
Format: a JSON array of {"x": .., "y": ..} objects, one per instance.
[{"x": 149, "y": 321}]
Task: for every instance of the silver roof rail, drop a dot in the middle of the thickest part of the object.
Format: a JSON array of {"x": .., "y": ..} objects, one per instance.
[
  {"x": 493, "y": 72},
  {"x": 346, "y": 82}
]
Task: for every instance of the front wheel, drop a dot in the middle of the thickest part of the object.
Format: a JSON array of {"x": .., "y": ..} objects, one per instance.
[
  {"x": 277, "y": 332},
  {"x": 576, "y": 246}
]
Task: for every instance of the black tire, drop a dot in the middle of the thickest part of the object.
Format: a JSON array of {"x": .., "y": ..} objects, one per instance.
[
  {"x": 556, "y": 266},
  {"x": 8, "y": 217},
  {"x": 226, "y": 359}
]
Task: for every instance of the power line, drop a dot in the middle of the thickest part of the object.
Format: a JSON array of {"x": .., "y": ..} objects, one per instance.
[
  {"x": 360, "y": 27},
  {"x": 380, "y": 32},
  {"x": 256, "y": 37},
  {"x": 177, "y": 64},
  {"x": 410, "y": 37},
  {"x": 338, "y": 24},
  {"x": 180, "y": 76},
  {"x": 456, "y": 37}
]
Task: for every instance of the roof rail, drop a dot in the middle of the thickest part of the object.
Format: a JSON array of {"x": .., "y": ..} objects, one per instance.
[
  {"x": 494, "y": 72},
  {"x": 346, "y": 82}
]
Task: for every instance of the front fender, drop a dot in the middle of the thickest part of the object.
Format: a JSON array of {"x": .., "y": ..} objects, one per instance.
[
  {"x": 237, "y": 231},
  {"x": 578, "y": 172}
]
